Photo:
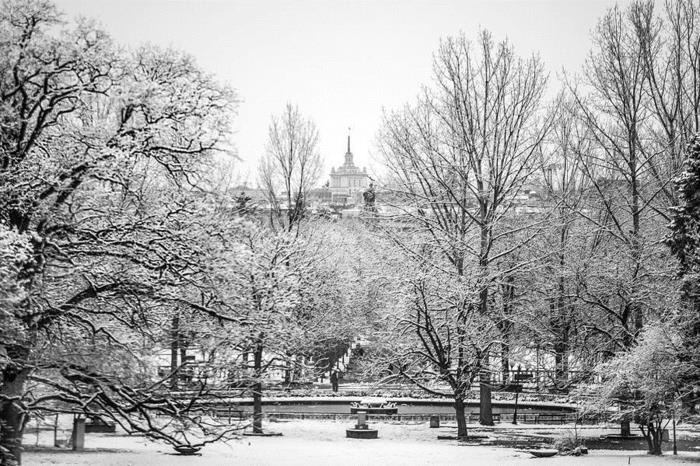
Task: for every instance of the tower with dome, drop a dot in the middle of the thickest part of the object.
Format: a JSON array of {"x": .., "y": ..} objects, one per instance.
[{"x": 348, "y": 182}]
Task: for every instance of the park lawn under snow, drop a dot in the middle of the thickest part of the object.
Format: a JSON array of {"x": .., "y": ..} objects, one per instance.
[{"x": 323, "y": 442}]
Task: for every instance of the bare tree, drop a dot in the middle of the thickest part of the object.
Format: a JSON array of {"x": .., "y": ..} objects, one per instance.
[
  {"x": 627, "y": 165},
  {"x": 461, "y": 154},
  {"x": 291, "y": 165},
  {"x": 560, "y": 250},
  {"x": 669, "y": 43},
  {"x": 260, "y": 284},
  {"x": 430, "y": 335}
]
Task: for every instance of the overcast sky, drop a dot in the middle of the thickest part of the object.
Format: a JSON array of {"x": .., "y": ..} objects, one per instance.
[{"x": 342, "y": 62}]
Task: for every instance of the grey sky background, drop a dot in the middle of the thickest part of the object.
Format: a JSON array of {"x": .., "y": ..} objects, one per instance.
[{"x": 342, "y": 62}]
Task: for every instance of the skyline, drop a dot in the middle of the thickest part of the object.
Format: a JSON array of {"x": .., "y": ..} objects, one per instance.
[{"x": 342, "y": 63}]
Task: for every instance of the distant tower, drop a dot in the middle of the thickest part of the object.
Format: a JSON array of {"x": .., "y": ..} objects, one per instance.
[
  {"x": 348, "y": 182},
  {"x": 348, "y": 156}
]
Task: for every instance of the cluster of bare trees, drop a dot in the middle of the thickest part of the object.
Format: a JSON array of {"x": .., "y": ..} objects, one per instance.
[{"x": 546, "y": 221}]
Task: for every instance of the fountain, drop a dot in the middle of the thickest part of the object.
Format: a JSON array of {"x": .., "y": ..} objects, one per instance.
[
  {"x": 361, "y": 429},
  {"x": 373, "y": 405}
]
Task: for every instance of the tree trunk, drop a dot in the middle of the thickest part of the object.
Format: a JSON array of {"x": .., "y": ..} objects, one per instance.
[
  {"x": 299, "y": 365},
  {"x": 485, "y": 414},
  {"x": 505, "y": 362},
  {"x": 505, "y": 325},
  {"x": 561, "y": 363},
  {"x": 461, "y": 419},
  {"x": 174, "y": 340},
  {"x": 485, "y": 411},
  {"x": 637, "y": 310},
  {"x": 187, "y": 371},
  {"x": 561, "y": 309},
  {"x": 288, "y": 369},
  {"x": 654, "y": 437},
  {"x": 12, "y": 415},
  {"x": 257, "y": 389}
]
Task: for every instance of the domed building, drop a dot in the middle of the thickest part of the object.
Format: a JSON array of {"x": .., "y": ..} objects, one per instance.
[{"x": 348, "y": 182}]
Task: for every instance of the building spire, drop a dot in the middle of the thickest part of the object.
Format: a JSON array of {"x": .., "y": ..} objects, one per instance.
[{"x": 348, "y": 154}]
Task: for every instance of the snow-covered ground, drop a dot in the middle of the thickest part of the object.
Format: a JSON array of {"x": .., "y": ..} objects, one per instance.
[{"x": 323, "y": 443}]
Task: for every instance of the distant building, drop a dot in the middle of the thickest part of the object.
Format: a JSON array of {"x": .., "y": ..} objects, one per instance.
[{"x": 348, "y": 182}]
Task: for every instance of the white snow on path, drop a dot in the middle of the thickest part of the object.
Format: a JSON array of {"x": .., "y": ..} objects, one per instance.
[{"x": 324, "y": 443}]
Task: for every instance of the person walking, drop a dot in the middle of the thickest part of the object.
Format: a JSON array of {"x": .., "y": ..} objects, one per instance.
[{"x": 334, "y": 380}]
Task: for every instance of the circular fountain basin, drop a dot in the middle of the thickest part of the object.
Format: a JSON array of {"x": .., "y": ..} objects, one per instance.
[
  {"x": 374, "y": 405},
  {"x": 384, "y": 411},
  {"x": 361, "y": 433}
]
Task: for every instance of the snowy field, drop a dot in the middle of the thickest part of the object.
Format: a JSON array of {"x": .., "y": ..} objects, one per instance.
[{"x": 324, "y": 443}]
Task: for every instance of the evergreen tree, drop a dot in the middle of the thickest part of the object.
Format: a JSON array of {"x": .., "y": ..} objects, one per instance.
[{"x": 685, "y": 242}]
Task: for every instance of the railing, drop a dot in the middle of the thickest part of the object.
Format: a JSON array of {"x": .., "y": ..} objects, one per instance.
[{"x": 523, "y": 418}]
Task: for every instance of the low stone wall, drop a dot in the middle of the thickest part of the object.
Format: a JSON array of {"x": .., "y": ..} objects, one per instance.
[{"x": 553, "y": 419}]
